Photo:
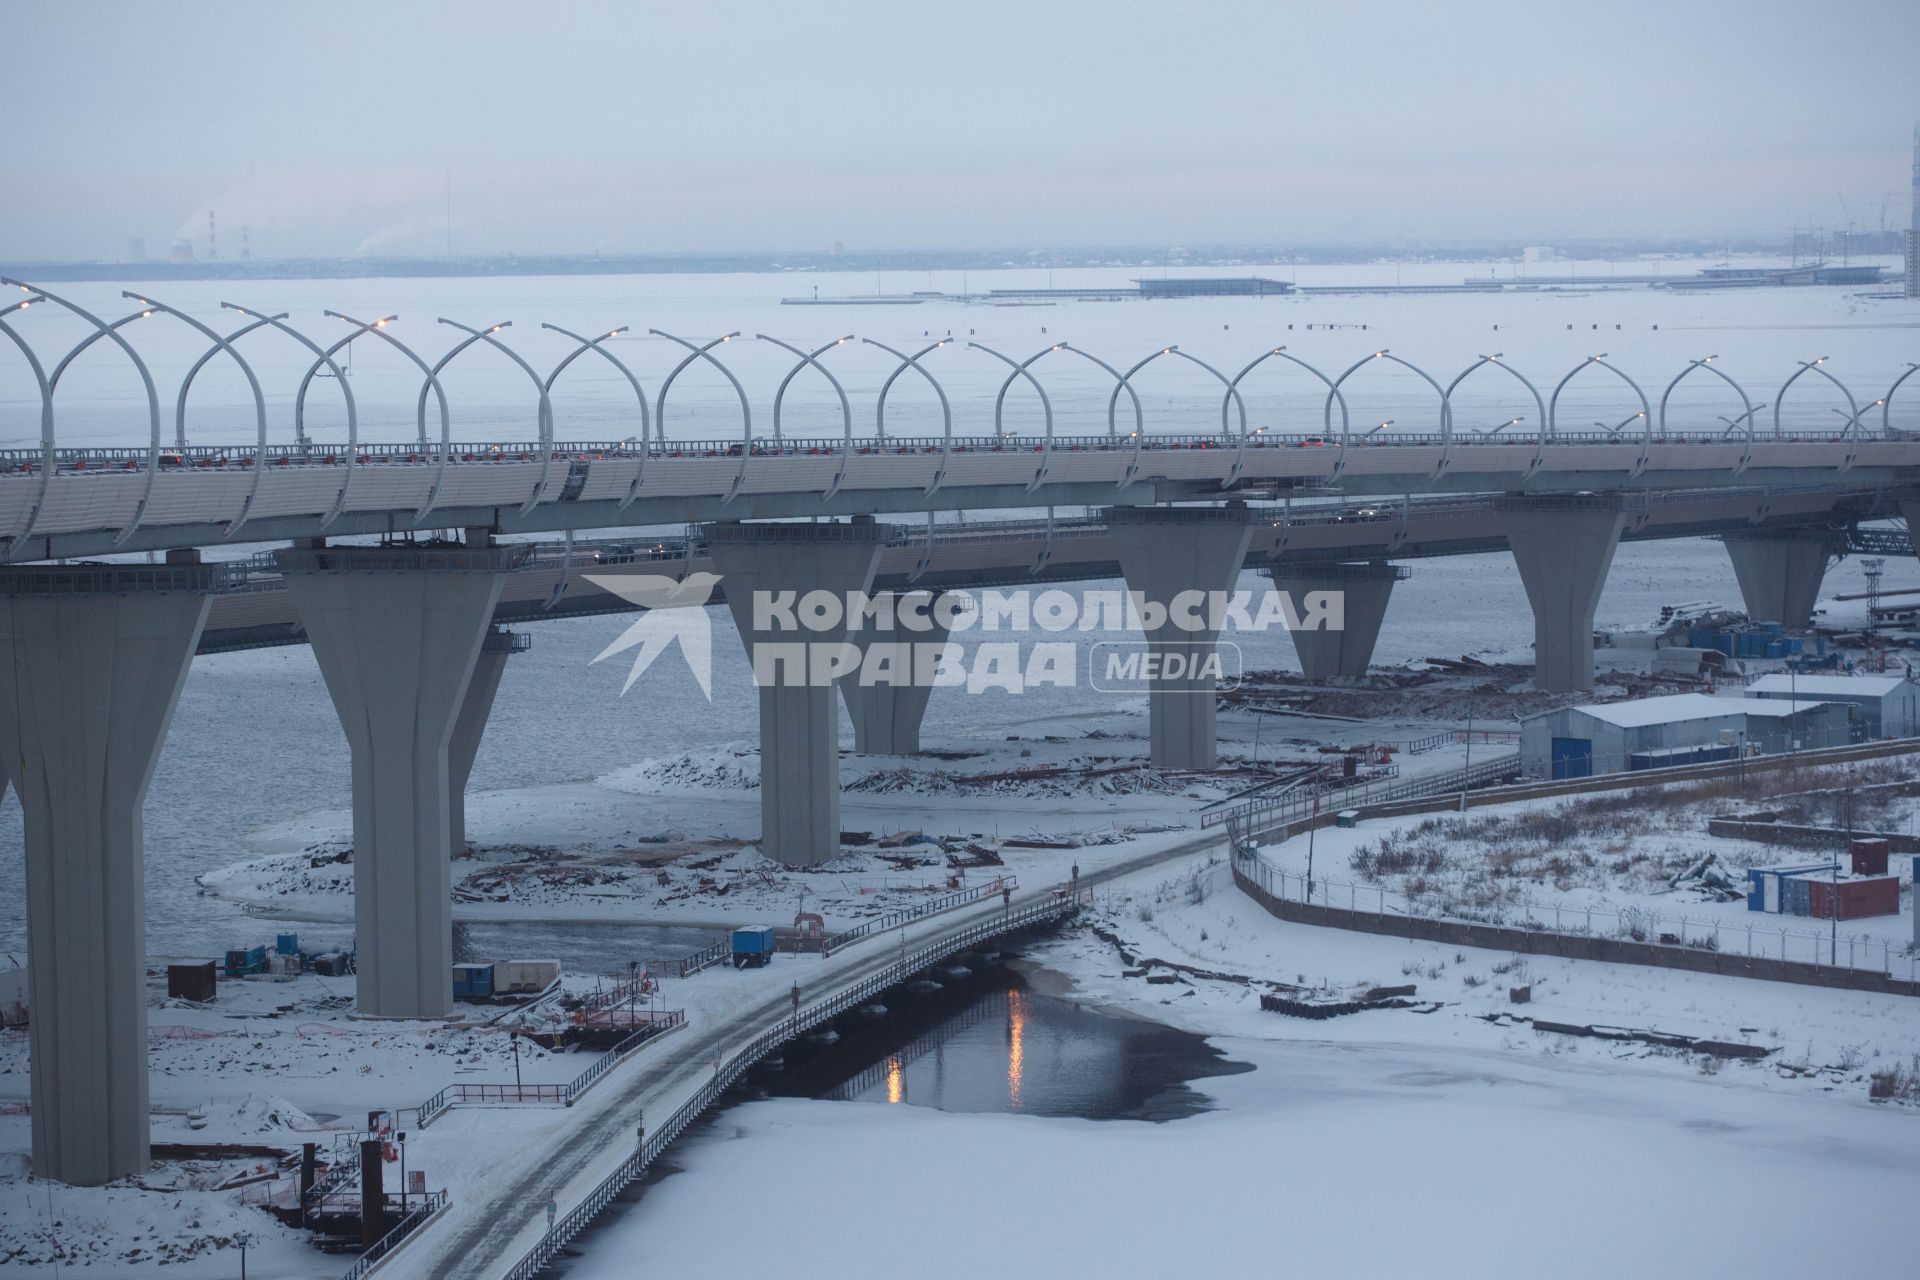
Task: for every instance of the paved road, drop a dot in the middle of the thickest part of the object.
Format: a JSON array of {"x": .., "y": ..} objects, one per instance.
[{"x": 480, "y": 1238}]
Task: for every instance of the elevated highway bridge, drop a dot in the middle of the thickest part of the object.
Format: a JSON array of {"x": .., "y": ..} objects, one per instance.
[
  {"x": 407, "y": 631},
  {"x": 253, "y": 609}
]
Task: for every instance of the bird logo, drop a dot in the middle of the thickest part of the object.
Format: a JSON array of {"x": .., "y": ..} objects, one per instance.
[{"x": 672, "y": 612}]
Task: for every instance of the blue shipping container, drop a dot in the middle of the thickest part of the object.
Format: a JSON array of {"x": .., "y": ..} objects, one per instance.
[
  {"x": 1796, "y": 896},
  {"x": 472, "y": 981},
  {"x": 756, "y": 940},
  {"x": 1769, "y": 891},
  {"x": 287, "y": 944}
]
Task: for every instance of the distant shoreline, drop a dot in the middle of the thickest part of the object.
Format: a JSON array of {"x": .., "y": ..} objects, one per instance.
[{"x": 1136, "y": 258}]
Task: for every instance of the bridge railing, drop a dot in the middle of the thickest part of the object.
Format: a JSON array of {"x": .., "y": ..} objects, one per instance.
[
  {"x": 110, "y": 460},
  {"x": 432, "y": 1202},
  {"x": 729, "y": 1070}
]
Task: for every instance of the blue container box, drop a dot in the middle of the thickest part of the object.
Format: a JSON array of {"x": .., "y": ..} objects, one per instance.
[
  {"x": 287, "y": 944},
  {"x": 472, "y": 981},
  {"x": 756, "y": 940},
  {"x": 1796, "y": 896}
]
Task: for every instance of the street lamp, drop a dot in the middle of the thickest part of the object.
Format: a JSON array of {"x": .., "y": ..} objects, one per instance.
[
  {"x": 1510, "y": 422},
  {"x": 1370, "y": 430},
  {"x": 1620, "y": 426}
]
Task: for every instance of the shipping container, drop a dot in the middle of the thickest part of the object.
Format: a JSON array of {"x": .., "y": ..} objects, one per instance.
[
  {"x": 472, "y": 981},
  {"x": 287, "y": 944},
  {"x": 242, "y": 962},
  {"x": 752, "y": 946},
  {"x": 521, "y": 977},
  {"x": 1768, "y": 886},
  {"x": 1796, "y": 898},
  {"x": 195, "y": 982},
  {"x": 1870, "y": 857},
  {"x": 1859, "y": 897}
]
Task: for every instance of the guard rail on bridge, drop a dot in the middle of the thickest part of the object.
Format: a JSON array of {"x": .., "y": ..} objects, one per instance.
[
  {"x": 1244, "y": 822},
  {"x": 576, "y": 1220}
]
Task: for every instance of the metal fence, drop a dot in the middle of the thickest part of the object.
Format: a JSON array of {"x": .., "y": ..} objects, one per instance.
[
  {"x": 561, "y": 1095},
  {"x": 932, "y": 906},
  {"x": 1267, "y": 812},
  {"x": 729, "y": 1070},
  {"x": 1750, "y": 938},
  {"x": 432, "y": 1203}
]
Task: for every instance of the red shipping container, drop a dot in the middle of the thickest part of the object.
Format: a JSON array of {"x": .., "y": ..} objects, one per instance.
[
  {"x": 1869, "y": 857},
  {"x": 1874, "y": 896}
]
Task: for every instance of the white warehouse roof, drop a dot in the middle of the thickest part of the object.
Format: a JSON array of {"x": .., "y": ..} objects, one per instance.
[
  {"x": 1638, "y": 712},
  {"x": 1828, "y": 686}
]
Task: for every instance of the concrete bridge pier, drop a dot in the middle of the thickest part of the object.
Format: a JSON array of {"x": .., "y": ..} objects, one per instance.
[
  {"x": 1163, "y": 553},
  {"x": 765, "y": 564},
  {"x": 92, "y": 659},
  {"x": 1780, "y": 573},
  {"x": 1363, "y": 589},
  {"x": 887, "y": 716},
  {"x": 498, "y": 645},
  {"x": 1563, "y": 546},
  {"x": 397, "y": 632}
]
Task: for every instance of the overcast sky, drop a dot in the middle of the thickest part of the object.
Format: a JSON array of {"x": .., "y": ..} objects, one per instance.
[{"x": 336, "y": 128}]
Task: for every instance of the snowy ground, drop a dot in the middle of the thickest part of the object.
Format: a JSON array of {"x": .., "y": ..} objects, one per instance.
[
  {"x": 1612, "y": 854},
  {"x": 1389, "y": 1142},
  {"x": 1559, "y": 1141}
]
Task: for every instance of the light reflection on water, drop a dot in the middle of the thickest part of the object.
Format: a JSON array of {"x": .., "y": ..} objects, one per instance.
[{"x": 989, "y": 1042}]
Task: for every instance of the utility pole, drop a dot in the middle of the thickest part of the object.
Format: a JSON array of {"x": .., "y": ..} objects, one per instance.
[{"x": 1466, "y": 774}]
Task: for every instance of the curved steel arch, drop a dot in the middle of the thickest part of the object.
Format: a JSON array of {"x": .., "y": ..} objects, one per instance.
[
  {"x": 278, "y": 322},
  {"x": 60, "y": 367},
  {"x": 1886, "y": 401},
  {"x": 1494, "y": 359},
  {"x": 49, "y": 458},
  {"x": 186, "y": 384},
  {"x": 1126, "y": 382},
  {"x": 1553, "y": 402},
  {"x": 378, "y": 328},
  {"x": 880, "y": 408},
  {"x": 146, "y": 381},
  {"x": 1384, "y": 354},
  {"x": 809, "y": 358},
  {"x": 698, "y": 351},
  {"x": 906, "y": 362},
  {"x": 1021, "y": 369},
  {"x": 543, "y": 413},
  {"x": 1333, "y": 392},
  {"x": 646, "y": 419},
  {"x": 1707, "y": 364},
  {"x": 1816, "y": 367},
  {"x": 1120, "y": 382}
]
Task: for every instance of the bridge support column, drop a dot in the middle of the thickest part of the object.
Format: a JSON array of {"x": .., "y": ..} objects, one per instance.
[
  {"x": 1164, "y": 552},
  {"x": 498, "y": 645},
  {"x": 91, "y": 664},
  {"x": 397, "y": 633},
  {"x": 1563, "y": 546},
  {"x": 886, "y": 717},
  {"x": 1363, "y": 589},
  {"x": 799, "y": 716},
  {"x": 1779, "y": 573}
]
